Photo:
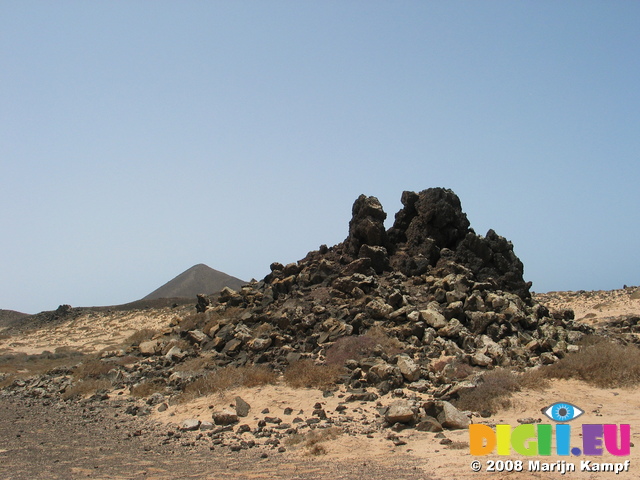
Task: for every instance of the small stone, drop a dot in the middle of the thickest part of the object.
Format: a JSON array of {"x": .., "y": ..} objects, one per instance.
[
  {"x": 398, "y": 442},
  {"x": 429, "y": 424},
  {"x": 452, "y": 418},
  {"x": 242, "y": 407},
  {"x": 190, "y": 424},
  {"x": 399, "y": 412},
  {"x": 149, "y": 347},
  {"x": 410, "y": 370},
  {"x": 206, "y": 426},
  {"x": 224, "y": 417},
  {"x": 243, "y": 429}
]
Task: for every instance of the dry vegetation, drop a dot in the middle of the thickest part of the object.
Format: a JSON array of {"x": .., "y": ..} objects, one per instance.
[
  {"x": 600, "y": 362},
  {"x": 495, "y": 388},
  {"x": 140, "y": 336},
  {"x": 225, "y": 378},
  {"x": 87, "y": 387},
  {"x": 313, "y": 440},
  {"x": 20, "y": 365},
  {"x": 147, "y": 388},
  {"x": 307, "y": 374},
  {"x": 361, "y": 346}
]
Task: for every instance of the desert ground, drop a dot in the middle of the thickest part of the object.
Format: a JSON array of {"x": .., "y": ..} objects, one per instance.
[{"x": 96, "y": 438}]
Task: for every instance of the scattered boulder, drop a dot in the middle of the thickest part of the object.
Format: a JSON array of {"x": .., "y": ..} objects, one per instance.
[
  {"x": 224, "y": 418},
  {"x": 410, "y": 370},
  {"x": 399, "y": 412},
  {"x": 452, "y": 418},
  {"x": 242, "y": 407},
  {"x": 150, "y": 347},
  {"x": 190, "y": 424}
]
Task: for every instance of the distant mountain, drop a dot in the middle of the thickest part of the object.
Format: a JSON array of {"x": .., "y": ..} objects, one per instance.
[{"x": 198, "y": 279}]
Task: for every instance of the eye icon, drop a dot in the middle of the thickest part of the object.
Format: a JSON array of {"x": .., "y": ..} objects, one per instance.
[{"x": 562, "y": 412}]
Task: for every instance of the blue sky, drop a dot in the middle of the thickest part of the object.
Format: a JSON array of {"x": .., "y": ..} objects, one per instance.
[{"x": 139, "y": 138}]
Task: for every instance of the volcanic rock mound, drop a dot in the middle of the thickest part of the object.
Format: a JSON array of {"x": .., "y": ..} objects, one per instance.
[{"x": 429, "y": 283}]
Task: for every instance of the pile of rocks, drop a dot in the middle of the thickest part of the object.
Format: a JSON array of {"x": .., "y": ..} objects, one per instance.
[
  {"x": 437, "y": 296},
  {"x": 430, "y": 283}
]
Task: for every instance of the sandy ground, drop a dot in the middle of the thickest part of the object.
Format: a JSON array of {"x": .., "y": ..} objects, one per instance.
[
  {"x": 595, "y": 307},
  {"x": 618, "y": 406},
  {"x": 92, "y": 331}
]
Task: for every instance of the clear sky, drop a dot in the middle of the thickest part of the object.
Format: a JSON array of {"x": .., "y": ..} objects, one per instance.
[{"x": 138, "y": 138}]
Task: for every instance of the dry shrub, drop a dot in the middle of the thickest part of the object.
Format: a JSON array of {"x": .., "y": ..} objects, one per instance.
[
  {"x": 86, "y": 388},
  {"x": 147, "y": 388},
  {"x": 125, "y": 360},
  {"x": 195, "y": 364},
  {"x": 193, "y": 321},
  {"x": 306, "y": 374},
  {"x": 312, "y": 440},
  {"x": 390, "y": 345},
  {"x": 142, "y": 335},
  {"x": 533, "y": 379},
  {"x": 228, "y": 377},
  {"x": 600, "y": 362},
  {"x": 22, "y": 365},
  {"x": 492, "y": 393},
  {"x": 350, "y": 348},
  {"x": 452, "y": 369},
  {"x": 92, "y": 369}
]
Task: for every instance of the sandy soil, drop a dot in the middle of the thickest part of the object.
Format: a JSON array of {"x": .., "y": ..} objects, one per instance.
[
  {"x": 92, "y": 331},
  {"x": 595, "y": 307},
  {"x": 47, "y": 440},
  {"x": 616, "y": 406}
]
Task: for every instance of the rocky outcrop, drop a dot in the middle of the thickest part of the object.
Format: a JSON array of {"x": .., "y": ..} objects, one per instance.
[
  {"x": 367, "y": 225},
  {"x": 431, "y": 284}
]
